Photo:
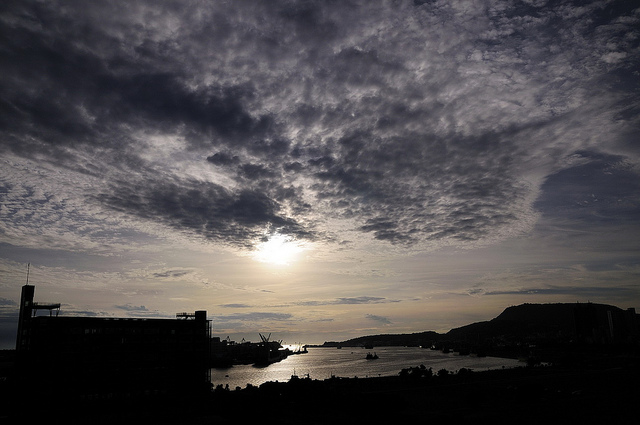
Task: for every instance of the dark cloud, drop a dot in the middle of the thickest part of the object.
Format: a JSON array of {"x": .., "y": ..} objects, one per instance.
[
  {"x": 170, "y": 274},
  {"x": 599, "y": 190},
  {"x": 616, "y": 264},
  {"x": 223, "y": 159},
  {"x": 379, "y": 319},
  {"x": 255, "y": 172},
  {"x": 253, "y": 317},
  {"x": 4, "y": 302},
  {"x": 82, "y": 313},
  {"x": 269, "y": 148},
  {"x": 323, "y": 320},
  {"x": 165, "y": 99},
  {"x": 396, "y": 186},
  {"x": 205, "y": 208},
  {"x": 579, "y": 291},
  {"x": 293, "y": 167},
  {"x": 349, "y": 301},
  {"x": 65, "y": 93},
  {"x": 132, "y": 308},
  {"x": 235, "y": 306},
  {"x": 359, "y": 300}
]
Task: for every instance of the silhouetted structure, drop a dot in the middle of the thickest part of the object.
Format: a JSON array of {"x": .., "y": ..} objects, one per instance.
[
  {"x": 225, "y": 353},
  {"x": 112, "y": 356},
  {"x": 597, "y": 323}
]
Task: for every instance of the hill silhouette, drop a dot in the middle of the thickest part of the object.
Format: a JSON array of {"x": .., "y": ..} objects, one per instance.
[
  {"x": 390, "y": 340},
  {"x": 559, "y": 322}
]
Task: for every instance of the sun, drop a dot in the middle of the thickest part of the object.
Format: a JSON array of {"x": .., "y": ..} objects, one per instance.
[{"x": 279, "y": 250}]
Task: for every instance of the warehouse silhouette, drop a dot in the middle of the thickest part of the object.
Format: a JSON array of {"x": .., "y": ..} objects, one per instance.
[{"x": 110, "y": 357}]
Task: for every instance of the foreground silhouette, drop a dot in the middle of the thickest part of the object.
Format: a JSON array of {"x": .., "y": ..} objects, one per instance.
[
  {"x": 108, "y": 357},
  {"x": 583, "y": 393},
  {"x": 106, "y": 371}
]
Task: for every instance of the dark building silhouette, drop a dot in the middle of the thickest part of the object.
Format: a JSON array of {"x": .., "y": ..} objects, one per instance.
[
  {"x": 604, "y": 324},
  {"x": 112, "y": 356}
]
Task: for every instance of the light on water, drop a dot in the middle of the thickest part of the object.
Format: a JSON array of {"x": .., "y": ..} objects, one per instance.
[{"x": 322, "y": 363}]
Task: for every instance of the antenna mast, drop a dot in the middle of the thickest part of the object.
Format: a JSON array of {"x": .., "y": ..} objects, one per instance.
[{"x": 28, "y": 265}]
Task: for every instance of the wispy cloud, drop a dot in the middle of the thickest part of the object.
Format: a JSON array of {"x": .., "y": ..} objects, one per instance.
[
  {"x": 348, "y": 301},
  {"x": 7, "y": 303},
  {"x": 171, "y": 274},
  {"x": 579, "y": 291},
  {"x": 132, "y": 308},
  {"x": 253, "y": 317},
  {"x": 379, "y": 319},
  {"x": 235, "y": 306}
]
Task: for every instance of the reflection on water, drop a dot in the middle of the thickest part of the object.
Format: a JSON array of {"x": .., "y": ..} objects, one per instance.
[{"x": 322, "y": 363}]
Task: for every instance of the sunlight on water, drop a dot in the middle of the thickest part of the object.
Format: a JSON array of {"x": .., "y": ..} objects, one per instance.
[{"x": 322, "y": 363}]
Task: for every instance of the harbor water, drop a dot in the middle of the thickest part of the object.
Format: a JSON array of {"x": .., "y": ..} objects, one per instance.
[{"x": 349, "y": 362}]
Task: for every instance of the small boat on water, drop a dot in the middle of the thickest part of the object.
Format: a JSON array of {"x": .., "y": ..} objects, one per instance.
[{"x": 373, "y": 356}]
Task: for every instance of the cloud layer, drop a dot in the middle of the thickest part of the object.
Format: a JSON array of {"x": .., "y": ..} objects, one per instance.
[{"x": 413, "y": 122}]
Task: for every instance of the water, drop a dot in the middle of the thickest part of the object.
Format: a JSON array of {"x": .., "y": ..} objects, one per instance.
[{"x": 322, "y": 363}]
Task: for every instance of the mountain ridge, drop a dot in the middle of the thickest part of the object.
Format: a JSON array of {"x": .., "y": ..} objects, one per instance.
[{"x": 561, "y": 322}]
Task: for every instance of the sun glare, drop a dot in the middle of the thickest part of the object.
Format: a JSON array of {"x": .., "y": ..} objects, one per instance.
[{"x": 279, "y": 250}]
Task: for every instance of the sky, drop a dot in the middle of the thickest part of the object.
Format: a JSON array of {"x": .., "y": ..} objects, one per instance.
[{"x": 318, "y": 170}]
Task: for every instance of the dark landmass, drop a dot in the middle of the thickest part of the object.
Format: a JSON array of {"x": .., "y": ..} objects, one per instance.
[
  {"x": 542, "y": 330},
  {"x": 580, "y": 394},
  {"x": 424, "y": 339}
]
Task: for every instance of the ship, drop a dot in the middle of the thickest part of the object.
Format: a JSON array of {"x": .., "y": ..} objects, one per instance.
[{"x": 270, "y": 351}]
